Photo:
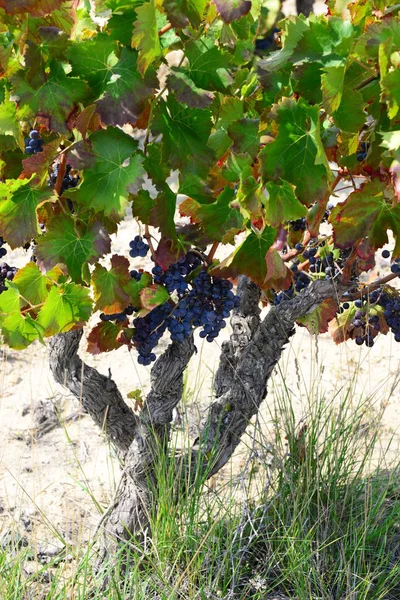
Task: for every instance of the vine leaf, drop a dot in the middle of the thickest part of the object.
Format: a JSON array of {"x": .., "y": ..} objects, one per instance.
[
  {"x": 145, "y": 36},
  {"x": 114, "y": 168},
  {"x": 182, "y": 12},
  {"x": 366, "y": 212},
  {"x": 231, "y": 10},
  {"x": 65, "y": 306},
  {"x": 18, "y": 331},
  {"x": 208, "y": 66},
  {"x": 279, "y": 276},
  {"x": 35, "y": 8},
  {"x": 73, "y": 244},
  {"x": 39, "y": 164},
  {"x": 33, "y": 285},
  {"x": 185, "y": 133},
  {"x": 249, "y": 258},
  {"x": 244, "y": 134},
  {"x": 127, "y": 93},
  {"x": 298, "y": 136},
  {"x": 318, "y": 320},
  {"x": 93, "y": 60},
  {"x": 219, "y": 220},
  {"x": 153, "y": 296},
  {"x": 54, "y": 100},
  {"x": 109, "y": 285},
  {"x": 281, "y": 204},
  {"x": 9, "y": 127},
  {"x": 103, "y": 337},
  {"x": 18, "y": 204}
]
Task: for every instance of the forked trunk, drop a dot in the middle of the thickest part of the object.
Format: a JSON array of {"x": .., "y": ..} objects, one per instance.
[{"x": 247, "y": 362}]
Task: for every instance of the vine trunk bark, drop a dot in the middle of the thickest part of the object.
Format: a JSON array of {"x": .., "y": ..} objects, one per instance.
[{"x": 247, "y": 361}]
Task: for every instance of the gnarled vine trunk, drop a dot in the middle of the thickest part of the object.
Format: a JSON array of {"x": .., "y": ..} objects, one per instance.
[{"x": 246, "y": 364}]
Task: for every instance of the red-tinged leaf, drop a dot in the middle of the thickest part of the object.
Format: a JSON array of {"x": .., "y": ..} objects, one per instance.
[
  {"x": 145, "y": 36},
  {"x": 109, "y": 285},
  {"x": 133, "y": 288},
  {"x": 18, "y": 204},
  {"x": 34, "y": 8},
  {"x": 231, "y": 10},
  {"x": 249, "y": 258},
  {"x": 88, "y": 121},
  {"x": 167, "y": 253},
  {"x": 367, "y": 212},
  {"x": 395, "y": 171},
  {"x": 39, "y": 164},
  {"x": 278, "y": 277},
  {"x": 318, "y": 320},
  {"x": 153, "y": 296},
  {"x": 103, "y": 337}
]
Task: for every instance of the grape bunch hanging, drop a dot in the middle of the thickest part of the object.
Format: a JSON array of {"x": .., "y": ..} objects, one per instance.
[{"x": 199, "y": 300}]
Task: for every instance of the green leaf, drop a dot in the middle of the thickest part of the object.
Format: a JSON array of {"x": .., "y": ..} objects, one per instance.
[
  {"x": 54, "y": 100},
  {"x": 219, "y": 220},
  {"x": 390, "y": 86},
  {"x": 332, "y": 82},
  {"x": 126, "y": 94},
  {"x": 32, "y": 285},
  {"x": 18, "y": 331},
  {"x": 109, "y": 285},
  {"x": 72, "y": 243},
  {"x": 297, "y": 155},
  {"x": 231, "y": 10},
  {"x": 245, "y": 135},
  {"x": 94, "y": 60},
  {"x": 66, "y": 305},
  {"x": 250, "y": 257},
  {"x": 182, "y": 12},
  {"x": 114, "y": 170},
  {"x": 281, "y": 204},
  {"x": 10, "y": 132},
  {"x": 142, "y": 206},
  {"x": 153, "y": 296},
  {"x": 208, "y": 66},
  {"x": 185, "y": 133},
  {"x": 157, "y": 169},
  {"x": 18, "y": 204},
  {"x": 145, "y": 36}
]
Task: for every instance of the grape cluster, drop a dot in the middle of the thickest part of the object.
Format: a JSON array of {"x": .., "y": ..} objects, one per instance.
[
  {"x": 6, "y": 273},
  {"x": 34, "y": 143},
  {"x": 136, "y": 275},
  {"x": 298, "y": 225},
  {"x": 366, "y": 323},
  {"x": 204, "y": 302},
  {"x": 121, "y": 316},
  {"x": 300, "y": 282},
  {"x": 3, "y": 251},
  {"x": 138, "y": 247},
  {"x": 174, "y": 278},
  {"x": 391, "y": 305},
  {"x": 362, "y": 152}
]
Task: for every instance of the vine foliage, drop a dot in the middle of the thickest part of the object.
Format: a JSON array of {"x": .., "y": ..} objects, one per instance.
[{"x": 99, "y": 99}]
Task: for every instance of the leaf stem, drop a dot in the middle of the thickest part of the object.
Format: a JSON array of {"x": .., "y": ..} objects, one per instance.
[
  {"x": 60, "y": 175},
  {"x": 212, "y": 252},
  {"x": 148, "y": 238},
  {"x": 164, "y": 29}
]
